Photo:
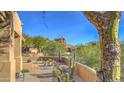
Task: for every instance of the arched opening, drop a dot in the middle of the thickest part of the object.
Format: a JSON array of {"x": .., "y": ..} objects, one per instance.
[{"x": 107, "y": 25}]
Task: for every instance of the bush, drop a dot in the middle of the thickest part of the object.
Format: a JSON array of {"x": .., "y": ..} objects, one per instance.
[
  {"x": 40, "y": 59},
  {"x": 29, "y": 60},
  {"x": 25, "y": 71},
  {"x": 89, "y": 55}
]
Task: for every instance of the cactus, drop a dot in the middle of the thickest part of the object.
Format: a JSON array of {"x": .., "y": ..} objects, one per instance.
[
  {"x": 107, "y": 25},
  {"x": 63, "y": 74},
  {"x": 66, "y": 77},
  {"x": 57, "y": 72}
]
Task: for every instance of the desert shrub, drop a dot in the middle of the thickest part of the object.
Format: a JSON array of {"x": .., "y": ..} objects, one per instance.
[
  {"x": 29, "y": 60},
  {"x": 25, "y": 71},
  {"x": 89, "y": 55},
  {"x": 39, "y": 59}
]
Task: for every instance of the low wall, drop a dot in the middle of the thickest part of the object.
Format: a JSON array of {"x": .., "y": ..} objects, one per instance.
[
  {"x": 18, "y": 64},
  {"x": 24, "y": 59},
  {"x": 35, "y": 58},
  {"x": 86, "y": 73},
  {"x": 31, "y": 67}
]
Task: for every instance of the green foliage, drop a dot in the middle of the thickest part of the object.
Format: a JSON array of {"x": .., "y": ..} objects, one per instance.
[
  {"x": 53, "y": 48},
  {"x": 39, "y": 42},
  {"x": 122, "y": 52},
  {"x": 122, "y": 61},
  {"x": 57, "y": 72},
  {"x": 25, "y": 71},
  {"x": 28, "y": 41},
  {"x": 89, "y": 54},
  {"x": 66, "y": 77},
  {"x": 61, "y": 75},
  {"x": 36, "y": 42}
]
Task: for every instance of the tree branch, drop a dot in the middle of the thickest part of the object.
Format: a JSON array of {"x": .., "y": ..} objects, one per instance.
[{"x": 101, "y": 19}]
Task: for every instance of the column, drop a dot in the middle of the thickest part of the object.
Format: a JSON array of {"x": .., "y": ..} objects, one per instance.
[
  {"x": 7, "y": 61},
  {"x": 18, "y": 53}
]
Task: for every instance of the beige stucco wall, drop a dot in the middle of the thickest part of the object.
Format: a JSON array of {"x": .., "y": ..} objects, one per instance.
[
  {"x": 17, "y": 24},
  {"x": 18, "y": 41},
  {"x": 10, "y": 61},
  {"x": 7, "y": 65},
  {"x": 86, "y": 73},
  {"x": 18, "y": 53},
  {"x": 31, "y": 67},
  {"x": 7, "y": 72},
  {"x": 33, "y": 50}
]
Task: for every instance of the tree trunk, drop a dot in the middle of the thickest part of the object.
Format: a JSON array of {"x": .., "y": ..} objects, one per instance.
[{"x": 107, "y": 24}]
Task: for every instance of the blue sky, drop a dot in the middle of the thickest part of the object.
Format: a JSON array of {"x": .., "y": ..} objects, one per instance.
[{"x": 73, "y": 26}]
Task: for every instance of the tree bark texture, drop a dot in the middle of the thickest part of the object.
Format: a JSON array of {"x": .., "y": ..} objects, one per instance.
[{"x": 107, "y": 24}]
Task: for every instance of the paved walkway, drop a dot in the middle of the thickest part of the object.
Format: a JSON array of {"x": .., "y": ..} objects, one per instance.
[
  {"x": 45, "y": 74},
  {"x": 77, "y": 78}
]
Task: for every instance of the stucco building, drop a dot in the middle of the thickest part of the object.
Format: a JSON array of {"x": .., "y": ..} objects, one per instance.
[{"x": 10, "y": 46}]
